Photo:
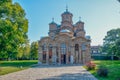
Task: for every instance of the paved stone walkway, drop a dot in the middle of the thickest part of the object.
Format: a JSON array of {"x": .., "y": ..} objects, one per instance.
[{"x": 74, "y": 72}]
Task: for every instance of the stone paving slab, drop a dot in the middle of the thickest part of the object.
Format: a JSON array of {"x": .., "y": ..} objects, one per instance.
[{"x": 44, "y": 72}]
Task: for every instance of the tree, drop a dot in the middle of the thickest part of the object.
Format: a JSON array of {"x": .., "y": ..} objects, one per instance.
[
  {"x": 117, "y": 48},
  {"x": 34, "y": 50},
  {"x": 111, "y": 43},
  {"x": 13, "y": 28},
  {"x": 24, "y": 51}
]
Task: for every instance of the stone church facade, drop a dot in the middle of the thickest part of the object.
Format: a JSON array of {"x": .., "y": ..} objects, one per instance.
[{"x": 66, "y": 43}]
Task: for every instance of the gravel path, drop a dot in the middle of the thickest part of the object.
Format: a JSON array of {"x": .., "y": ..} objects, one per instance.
[{"x": 63, "y": 72}]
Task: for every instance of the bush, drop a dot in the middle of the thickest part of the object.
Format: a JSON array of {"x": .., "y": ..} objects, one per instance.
[
  {"x": 102, "y": 71},
  {"x": 118, "y": 78},
  {"x": 90, "y": 66}
]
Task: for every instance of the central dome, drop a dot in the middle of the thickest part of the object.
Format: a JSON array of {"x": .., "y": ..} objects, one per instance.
[{"x": 66, "y": 12}]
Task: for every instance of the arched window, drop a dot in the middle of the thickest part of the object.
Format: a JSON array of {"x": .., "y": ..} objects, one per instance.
[
  {"x": 50, "y": 46},
  {"x": 83, "y": 47},
  {"x": 50, "y": 51},
  {"x": 44, "y": 51},
  {"x": 63, "y": 48},
  {"x": 76, "y": 47},
  {"x": 44, "y": 47}
]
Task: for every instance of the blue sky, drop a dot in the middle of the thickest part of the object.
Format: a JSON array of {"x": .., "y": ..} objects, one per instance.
[{"x": 99, "y": 16}]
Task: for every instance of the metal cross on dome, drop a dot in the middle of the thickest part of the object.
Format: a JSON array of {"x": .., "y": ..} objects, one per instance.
[
  {"x": 52, "y": 19},
  {"x": 79, "y": 18},
  {"x": 66, "y": 8}
]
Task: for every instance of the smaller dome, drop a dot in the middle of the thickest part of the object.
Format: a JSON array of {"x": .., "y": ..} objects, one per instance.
[
  {"x": 88, "y": 37},
  {"x": 65, "y": 30},
  {"x": 80, "y": 21},
  {"x": 53, "y": 23}
]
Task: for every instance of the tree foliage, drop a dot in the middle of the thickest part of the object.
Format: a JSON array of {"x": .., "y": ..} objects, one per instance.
[
  {"x": 24, "y": 51},
  {"x": 111, "y": 43},
  {"x": 119, "y": 0},
  {"x": 13, "y": 28},
  {"x": 34, "y": 50}
]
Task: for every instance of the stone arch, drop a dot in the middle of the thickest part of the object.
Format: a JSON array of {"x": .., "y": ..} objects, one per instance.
[
  {"x": 66, "y": 39},
  {"x": 63, "y": 38},
  {"x": 67, "y": 27},
  {"x": 80, "y": 53}
]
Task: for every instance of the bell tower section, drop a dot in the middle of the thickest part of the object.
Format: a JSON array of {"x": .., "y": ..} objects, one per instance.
[
  {"x": 52, "y": 29},
  {"x": 67, "y": 22},
  {"x": 80, "y": 32}
]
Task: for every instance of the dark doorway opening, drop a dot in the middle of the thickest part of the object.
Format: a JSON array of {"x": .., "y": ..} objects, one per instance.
[{"x": 63, "y": 59}]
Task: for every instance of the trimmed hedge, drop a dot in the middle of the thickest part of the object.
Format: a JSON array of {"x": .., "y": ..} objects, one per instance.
[{"x": 103, "y": 57}]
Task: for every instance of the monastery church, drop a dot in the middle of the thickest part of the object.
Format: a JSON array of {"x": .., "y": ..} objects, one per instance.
[{"x": 66, "y": 43}]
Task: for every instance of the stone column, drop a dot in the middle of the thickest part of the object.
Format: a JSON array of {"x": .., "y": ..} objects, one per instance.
[
  {"x": 76, "y": 55},
  {"x": 40, "y": 55},
  {"x": 52, "y": 54},
  {"x": 54, "y": 57},
  {"x": 88, "y": 55},
  {"x": 67, "y": 56},
  {"x": 83, "y": 56},
  {"x": 47, "y": 55},
  {"x": 79, "y": 55},
  {"x": 59, "y": 55},
  {"x": 73, "y": 52},
  {"x": 71, "y": 59}
]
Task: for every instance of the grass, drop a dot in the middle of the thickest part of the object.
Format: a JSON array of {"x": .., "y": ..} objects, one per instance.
[
  {"x": 13, "y": 66},
  {"x": 113, "y": 68}
]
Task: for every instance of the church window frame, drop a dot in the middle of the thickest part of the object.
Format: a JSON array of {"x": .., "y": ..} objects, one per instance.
[
  {"x": 76, "y": 47},
  {"x": 50, "y": 49},
  {"x": 63, "y": 48}
]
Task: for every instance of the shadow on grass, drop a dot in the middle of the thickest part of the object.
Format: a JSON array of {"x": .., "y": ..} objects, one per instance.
[
  {"x": 113, "y": 69},
  {"x": 16, "y": 63}
]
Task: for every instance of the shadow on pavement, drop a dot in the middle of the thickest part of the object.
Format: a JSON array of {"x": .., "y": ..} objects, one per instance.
[
  {"x": 76, "y": 76},
  {"x": 55, "y": 66}
]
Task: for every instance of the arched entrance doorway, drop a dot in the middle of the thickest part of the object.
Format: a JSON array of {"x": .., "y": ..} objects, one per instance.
[{"x": 63, "y": 53}]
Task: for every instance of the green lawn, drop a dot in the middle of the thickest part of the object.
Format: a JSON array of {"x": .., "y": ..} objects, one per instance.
[
  {"x": 113, "y": 68},
  {"x": 13, "y": 66}
]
